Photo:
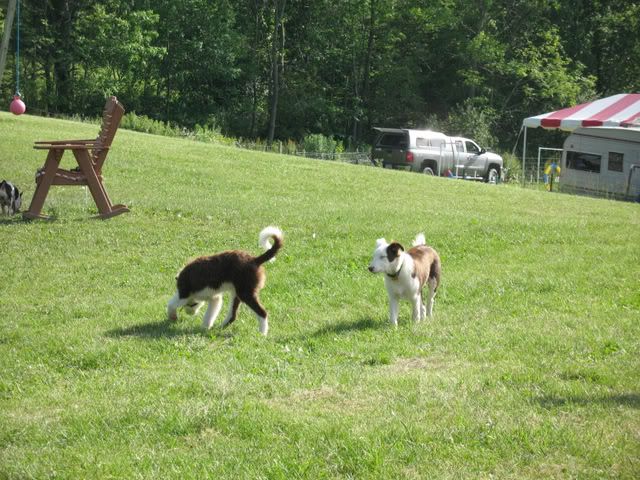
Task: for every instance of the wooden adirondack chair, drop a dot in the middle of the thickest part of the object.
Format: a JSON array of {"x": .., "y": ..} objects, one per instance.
[{"x": 90, "y": 155}]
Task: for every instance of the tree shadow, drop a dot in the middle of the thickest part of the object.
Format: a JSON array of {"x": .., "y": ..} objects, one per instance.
[{"x": 631, "y": 400}]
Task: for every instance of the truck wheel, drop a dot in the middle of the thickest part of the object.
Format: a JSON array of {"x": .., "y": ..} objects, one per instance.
[
  {"x": 492, "y": 175},
  {"x": 427, "y": 171}
]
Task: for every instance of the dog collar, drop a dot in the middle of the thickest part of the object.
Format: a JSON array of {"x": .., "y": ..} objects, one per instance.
[{"x": 395, "y": 275}]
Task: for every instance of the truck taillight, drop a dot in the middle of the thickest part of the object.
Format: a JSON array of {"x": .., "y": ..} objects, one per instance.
[{"x": 409, "y": 157}]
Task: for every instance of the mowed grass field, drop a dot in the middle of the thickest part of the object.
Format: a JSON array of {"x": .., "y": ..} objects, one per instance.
[{"x": 529, "y": 369}]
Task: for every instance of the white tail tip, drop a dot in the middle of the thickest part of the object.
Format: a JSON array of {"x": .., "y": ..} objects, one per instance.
[
  {"x": 267, "y": 234},
  {"x": 419, "y": 240}
]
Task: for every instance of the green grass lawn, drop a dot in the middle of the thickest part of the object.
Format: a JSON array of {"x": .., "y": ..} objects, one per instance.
[{"x": 529, "y": 369}]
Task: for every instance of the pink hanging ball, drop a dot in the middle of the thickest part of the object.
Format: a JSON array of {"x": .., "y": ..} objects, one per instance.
[{"x": 17, "y": 106}]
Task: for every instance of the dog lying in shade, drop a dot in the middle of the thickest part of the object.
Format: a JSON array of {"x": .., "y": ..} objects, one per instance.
[
  {"x": 206, "y": 279},
  {"x": 406, "y": 274}
]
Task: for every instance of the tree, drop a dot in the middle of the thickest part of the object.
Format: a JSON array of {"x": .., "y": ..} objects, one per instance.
[
  {"x": 342, "y": 67},
  {"x": 277, "y": 63},
  {"x": 116, "y": 54},
  {"x": 6, "y": 34},
  {"x": 605, "y": 37}
]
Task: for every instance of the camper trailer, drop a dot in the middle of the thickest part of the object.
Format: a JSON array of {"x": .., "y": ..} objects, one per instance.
[{"x": 602, "y": 161}]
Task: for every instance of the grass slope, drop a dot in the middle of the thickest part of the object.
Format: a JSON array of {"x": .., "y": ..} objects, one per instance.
[{"x": 528, "y": 370}]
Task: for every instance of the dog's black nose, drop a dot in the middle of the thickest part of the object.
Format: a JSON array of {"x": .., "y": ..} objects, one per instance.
[{"x": 371, "y": 269}]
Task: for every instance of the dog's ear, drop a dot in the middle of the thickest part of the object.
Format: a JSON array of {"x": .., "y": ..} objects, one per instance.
[
  {"x": 394, "y": 250},
  {"x": 380, "y": 241}
]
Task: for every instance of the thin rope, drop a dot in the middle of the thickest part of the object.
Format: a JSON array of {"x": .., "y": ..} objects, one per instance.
[{"x": 18, "y": 49}]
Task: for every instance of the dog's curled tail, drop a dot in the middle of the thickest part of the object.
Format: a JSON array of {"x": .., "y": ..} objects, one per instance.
[
  {"x": 419, "y": 240},
  {"x": 267, "y": 234}
]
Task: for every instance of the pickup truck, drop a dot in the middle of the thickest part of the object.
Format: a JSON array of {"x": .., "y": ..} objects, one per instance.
[{"x": 434, "y": 153}]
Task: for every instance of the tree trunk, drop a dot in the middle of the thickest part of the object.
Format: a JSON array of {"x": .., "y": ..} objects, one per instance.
[
  {"x": 4, "y": 46},
  {"x": 257, "y": 40},
  {"x": 367, "y": 72},
  {"x": 275, "y": 70},
  {"x": 60, "y": 17}
]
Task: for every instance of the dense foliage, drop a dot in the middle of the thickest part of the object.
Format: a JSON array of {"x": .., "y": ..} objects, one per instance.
[{"x": 272, "y": 68}]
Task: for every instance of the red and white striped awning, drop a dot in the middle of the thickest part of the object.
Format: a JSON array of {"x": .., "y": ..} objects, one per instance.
[{"x": 617, "y": 110}]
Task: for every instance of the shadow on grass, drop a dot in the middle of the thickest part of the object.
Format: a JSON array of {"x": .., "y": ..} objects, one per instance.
[
  {"x": 631, "y": 400},
  {"x": 339, "y": 328},
  {"x": 12, "y": 221},
  {"x": 152, "y": 330}
]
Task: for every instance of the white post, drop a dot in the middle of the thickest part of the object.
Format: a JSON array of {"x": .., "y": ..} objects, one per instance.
[
  {"x": 538, "y": 170},
  {"x": 453, "y": 156},
  {"x": 524, "y": 154},
  {"x": 4, "y": 46}
]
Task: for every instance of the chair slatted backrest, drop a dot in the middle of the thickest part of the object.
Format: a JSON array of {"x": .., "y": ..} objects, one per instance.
[{"x": 111, "y": 117}]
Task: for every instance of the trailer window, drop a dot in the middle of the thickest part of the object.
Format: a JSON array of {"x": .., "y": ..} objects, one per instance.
[
  {"x": 586, "y": 162},
  {"x": 615, "y": 161}
]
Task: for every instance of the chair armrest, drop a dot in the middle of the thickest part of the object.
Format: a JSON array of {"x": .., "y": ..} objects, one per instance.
[
  {"x": 65, "y": 142},
  {"x": 69, "y": 147}
]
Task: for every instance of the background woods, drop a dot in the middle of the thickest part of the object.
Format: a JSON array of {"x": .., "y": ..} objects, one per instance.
[{"x": 286, "y": 69}]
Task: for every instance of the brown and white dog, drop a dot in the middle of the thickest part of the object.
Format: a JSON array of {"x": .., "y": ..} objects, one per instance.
[
  {"x": 241, "y": 274},
  {"x": 406, "y": 274}
]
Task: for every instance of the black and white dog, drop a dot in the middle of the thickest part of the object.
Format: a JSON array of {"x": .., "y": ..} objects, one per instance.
[
  {"x": 10, "y": 198},
  {"x": 241, "y": 274}
]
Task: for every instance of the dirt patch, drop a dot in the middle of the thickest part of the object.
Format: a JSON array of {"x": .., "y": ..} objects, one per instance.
[
  {"x": 315, "y": 394},
  {"x": 405, "y": 365},
  {"x": 324, "y": 398}
]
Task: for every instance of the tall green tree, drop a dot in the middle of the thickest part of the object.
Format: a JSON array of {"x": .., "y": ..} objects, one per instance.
[
  {"x": 277, "y": 64},
  {"x": 116, "y": 53},
  {"x": 604, "y": 35},
  {"x": 199, "y": 71}
]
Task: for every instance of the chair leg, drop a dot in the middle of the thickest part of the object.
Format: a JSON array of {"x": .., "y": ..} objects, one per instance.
[
  {"x": 115, "y": 210},
  {"x": 96, "y": 188},
  {"x": 105, "y": 208},
  {"x": 42, "y": 187}
]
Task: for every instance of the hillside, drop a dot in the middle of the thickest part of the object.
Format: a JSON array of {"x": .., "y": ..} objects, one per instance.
[{"x": 529, "y": 368}]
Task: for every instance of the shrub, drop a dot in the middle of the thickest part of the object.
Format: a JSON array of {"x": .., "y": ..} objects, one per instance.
[
  {"x": 318, "y": 144},
  {"x": 142, "y": 123},
  {"x": 206, "y": 133},
  {"x": 512, "y": 168},
  {"x": 472, "y": 121}
]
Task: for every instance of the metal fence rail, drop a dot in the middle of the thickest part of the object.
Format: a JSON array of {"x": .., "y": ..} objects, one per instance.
[{"x": 358, "y": 158}]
